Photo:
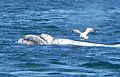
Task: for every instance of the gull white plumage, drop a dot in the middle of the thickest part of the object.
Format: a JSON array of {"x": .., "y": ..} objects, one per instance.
[{"x": 83, "y": 35}]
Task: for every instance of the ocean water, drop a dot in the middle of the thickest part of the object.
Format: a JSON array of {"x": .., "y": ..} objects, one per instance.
[{"x": 58, "y": 18}]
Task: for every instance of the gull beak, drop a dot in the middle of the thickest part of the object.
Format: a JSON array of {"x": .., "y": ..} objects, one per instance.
[{"x": 93, "y": 30}]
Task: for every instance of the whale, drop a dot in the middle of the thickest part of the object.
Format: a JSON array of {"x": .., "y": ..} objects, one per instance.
[{"x": 46, "y": 39}]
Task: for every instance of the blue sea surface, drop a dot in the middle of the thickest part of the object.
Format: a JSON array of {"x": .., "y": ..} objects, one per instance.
[{"x": 58, "y": 18}]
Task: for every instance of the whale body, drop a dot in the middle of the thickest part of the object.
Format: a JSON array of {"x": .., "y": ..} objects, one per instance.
[{"x": 46, "y": 39}]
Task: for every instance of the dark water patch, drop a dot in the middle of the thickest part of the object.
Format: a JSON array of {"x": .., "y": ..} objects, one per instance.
[
  {"x": 54, "y": 73},
  {"x": 101, "y": 65},
  {"x": 39, "y": 20},
  {"x": 7, "y": 75},
  {"x": 114, "y": 43},
  {"x": 70, "y": 70},
  {"x": 30, "y": 65},
  {"x": 46, "y": 27},
  {"x": 57, "y": 62},
  {"x": 75, "y": 72}
]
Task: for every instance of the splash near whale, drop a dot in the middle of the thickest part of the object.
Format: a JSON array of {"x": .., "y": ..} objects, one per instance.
[{"x": 46, "y": 39}]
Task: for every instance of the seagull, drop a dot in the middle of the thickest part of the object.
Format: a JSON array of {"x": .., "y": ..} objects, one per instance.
[{"x": 83, "y": 35}]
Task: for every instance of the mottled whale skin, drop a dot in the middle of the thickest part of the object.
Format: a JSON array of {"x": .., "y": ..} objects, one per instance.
[{"x": 46, "y": 39}]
